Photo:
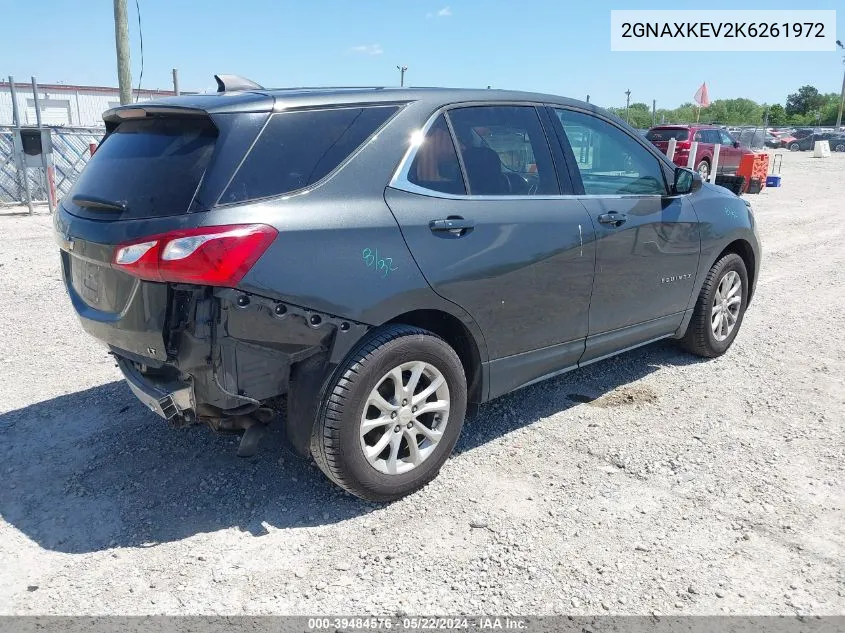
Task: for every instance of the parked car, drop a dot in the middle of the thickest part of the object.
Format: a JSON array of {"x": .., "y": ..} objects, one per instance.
[
  {"x": 784, "y": 138},
  {"x": 707, "y": 137},
  {"x": 756, "y": 138},
  {"x": 800, "y": 133},
  {"x": 772, "y": 141},
  {"x": 377, "y": 261},
  {"x": 836, "y": 142}
]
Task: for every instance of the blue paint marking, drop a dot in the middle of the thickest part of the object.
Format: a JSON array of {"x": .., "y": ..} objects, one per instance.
[{"x": 382, "y": 265}]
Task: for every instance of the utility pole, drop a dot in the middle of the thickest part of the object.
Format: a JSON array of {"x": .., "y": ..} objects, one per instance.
[
  {"x": 627, "y": 105},
  {"x": 176, "y": 81},
  {"x": 121, "y": 41},
  {"x": 653, "y": 112},
  {"x": 401, "y": 70},
  {"x": 588, "y": 98},
  {"x": 842, "y": 96}
]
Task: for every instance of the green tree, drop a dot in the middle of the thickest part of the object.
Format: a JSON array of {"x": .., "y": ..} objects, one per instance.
[
  {"x": 777, "y": 115},
  {"x": 830, "y": 108},
  {"x": 805, "y": 101},
  {"x": 733, "y": 112}
]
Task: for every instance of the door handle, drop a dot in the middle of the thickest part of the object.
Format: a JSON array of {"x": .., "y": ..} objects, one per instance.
[
  {"x": 452, "y": 226},
  {"x": 613, "y": 218}
]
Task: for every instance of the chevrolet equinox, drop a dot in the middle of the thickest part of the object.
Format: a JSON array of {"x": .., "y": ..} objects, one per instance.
[{"x": 372, "y": 262}]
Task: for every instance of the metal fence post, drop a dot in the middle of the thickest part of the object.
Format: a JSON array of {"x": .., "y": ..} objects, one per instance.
[
  {"x": 20, "y": 166},
  {"x": 45, "y": 163}
]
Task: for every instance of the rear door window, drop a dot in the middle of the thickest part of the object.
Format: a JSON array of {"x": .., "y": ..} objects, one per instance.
[
  {"x": 504, "y": 150},
  {"x": 297, "y": 149},
  {"x": 712, "y": 136},
  {"x": 152, "y": 167}
]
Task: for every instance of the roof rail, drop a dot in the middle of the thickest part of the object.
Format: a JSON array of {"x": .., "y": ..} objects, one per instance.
[
  {"x": 330, "y": 88},
  {"x": 227, "y": 83}
]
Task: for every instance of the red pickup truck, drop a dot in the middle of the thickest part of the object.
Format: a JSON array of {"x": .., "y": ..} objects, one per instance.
[{"x": 707, "y": 137}]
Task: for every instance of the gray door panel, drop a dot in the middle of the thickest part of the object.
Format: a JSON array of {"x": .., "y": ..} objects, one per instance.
[
  {"x": 524, "y": 271},
  {"x": 645, "y": 267}
]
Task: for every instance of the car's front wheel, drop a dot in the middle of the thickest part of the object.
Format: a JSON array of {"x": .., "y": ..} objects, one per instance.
[
  {"x": 839, "y": 147},
  {"x": 703, "y": 169},
  {"x": 719, "y": 309},
  {"x": 794, "y": 147},
  {"x": 391, "y": 414}
]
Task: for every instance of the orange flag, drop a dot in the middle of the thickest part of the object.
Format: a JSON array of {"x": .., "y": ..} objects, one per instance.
[{"x": 701, "y": 97}]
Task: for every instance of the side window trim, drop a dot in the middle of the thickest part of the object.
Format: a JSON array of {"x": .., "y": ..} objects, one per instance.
[
  {"x": 458, "y": 153},
  {"x": 662, "y": 161},
  {"x": 566, "y": 148},
  {"x": 559, "y": 159}
]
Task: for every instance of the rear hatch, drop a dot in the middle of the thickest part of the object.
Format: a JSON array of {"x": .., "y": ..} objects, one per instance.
[
  {"x": 163, "y": 208},
  {"x": 154, "y": 172},
  {"x": 659, "y": 136}
]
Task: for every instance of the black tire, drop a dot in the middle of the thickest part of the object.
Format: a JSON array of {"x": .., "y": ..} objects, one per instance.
[
  {"x": 336, "y": 441},
  {"x": 839, "y": 147},
  {"x": 699, "y": 338},
  {"x": 794, "y": 147},
  {"x": 703, "y": 168}
]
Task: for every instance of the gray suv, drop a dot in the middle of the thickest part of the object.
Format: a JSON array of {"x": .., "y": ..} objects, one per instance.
[{"x": 372, "y": 263}]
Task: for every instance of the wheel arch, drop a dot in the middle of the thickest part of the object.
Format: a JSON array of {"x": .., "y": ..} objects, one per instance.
[
  {"x": 744, "y": 249},
  {"x": 455, "y": 332}
]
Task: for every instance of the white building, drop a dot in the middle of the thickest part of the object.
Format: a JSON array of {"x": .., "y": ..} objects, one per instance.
[{"x": 65, "y": 104}]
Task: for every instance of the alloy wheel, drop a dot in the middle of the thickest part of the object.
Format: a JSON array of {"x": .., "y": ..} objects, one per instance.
[
  {"x": 726, "y": 305},
  {"x": 404, "y": 417}
]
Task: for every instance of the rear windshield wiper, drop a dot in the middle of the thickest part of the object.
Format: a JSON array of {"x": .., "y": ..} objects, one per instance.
[{"x": 99, "y": 204}]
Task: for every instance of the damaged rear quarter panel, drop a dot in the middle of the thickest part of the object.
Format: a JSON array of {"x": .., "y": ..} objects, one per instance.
[{"x": 346, "y": 259}]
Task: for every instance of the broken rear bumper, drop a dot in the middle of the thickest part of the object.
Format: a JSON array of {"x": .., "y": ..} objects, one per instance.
[
  {"x": 231, "y": 353},
  {"x": 168, "y": 399}
]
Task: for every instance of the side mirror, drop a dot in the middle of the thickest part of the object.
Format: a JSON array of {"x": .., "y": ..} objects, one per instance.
[
  {"x": 736, "y": 144},
  {"x": 686, "y": 181}
]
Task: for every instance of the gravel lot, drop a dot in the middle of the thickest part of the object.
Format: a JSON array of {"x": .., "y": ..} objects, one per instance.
[{"x": 686, "y": 487}]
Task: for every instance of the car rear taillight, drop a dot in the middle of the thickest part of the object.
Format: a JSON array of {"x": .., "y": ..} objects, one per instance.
[
  {"x": 683, "y": 145},
  {"x": 208, "y": 256}
]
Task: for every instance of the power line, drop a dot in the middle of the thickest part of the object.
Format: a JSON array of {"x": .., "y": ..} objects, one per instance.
[{"x": 141, "y": 37}]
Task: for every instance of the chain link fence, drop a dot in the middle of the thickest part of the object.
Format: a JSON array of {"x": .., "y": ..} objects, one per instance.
[{"x": 71, "y": 151}]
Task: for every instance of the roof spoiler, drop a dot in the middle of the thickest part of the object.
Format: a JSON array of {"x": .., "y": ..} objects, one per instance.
[
  {"x": 229, "y": 83},
  {"x": 141, "y": 111}
]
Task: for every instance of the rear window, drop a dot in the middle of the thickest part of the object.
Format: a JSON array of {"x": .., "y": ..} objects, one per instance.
[
  {"x": 297, "y": 149},
  {"x": 664, "y": 134},
  {"x": 151, "y": 166}
]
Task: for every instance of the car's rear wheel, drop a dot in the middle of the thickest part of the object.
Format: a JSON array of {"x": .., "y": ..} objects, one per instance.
[
  {"x": 391, "y": 414},
  {"x": 839, "y": 147},
  {"x": 719, "y": 309},
  {"x": 703, "y": 169},
  {"x": 794, "y": 147}
]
